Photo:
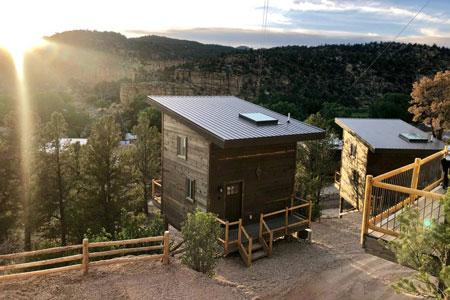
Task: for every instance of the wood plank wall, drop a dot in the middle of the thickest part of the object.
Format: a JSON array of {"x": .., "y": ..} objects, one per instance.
[
  {"x": 351, "y": 192},
  {"x": 262, "y": 193},
  {"x": 176, "y": 170}
]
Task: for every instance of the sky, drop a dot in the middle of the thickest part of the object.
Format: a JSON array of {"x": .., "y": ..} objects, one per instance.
[{"x": 232, "y": 22}]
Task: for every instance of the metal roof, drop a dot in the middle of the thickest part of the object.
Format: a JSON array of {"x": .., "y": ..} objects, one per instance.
[
  {"x": 217, "y": 118},
  {"x": 384, "y": 134}
]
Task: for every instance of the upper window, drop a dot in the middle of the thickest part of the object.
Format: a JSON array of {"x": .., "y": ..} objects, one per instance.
[
  {"x": 190, "y": 189},
  {"x": 182, "y": 147},
  {"x": 352, "y": 150}
]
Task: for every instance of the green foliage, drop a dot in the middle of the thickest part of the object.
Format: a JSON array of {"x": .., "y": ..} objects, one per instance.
[
  {"x": 394, "y": 106},
  {"x": 426, "y": 249},
  {"x": 200, "y": 233},
  {"x": 102, "y": 103},
  {"x": 314, "y": 163}
]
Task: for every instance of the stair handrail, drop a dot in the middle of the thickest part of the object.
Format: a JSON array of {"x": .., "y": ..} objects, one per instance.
[
  {"x": 248, "y": 253},
  {"x": 226, "y": 241},
  {"x": 263, "y": 224}
]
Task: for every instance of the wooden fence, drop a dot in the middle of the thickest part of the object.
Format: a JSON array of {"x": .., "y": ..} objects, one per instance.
[
  {"x": 85, "y": 255},
  {"x": 388, "y": 194}
]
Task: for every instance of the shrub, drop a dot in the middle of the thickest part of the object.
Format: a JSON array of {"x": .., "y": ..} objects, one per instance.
[{"x": 200, "y": 232}]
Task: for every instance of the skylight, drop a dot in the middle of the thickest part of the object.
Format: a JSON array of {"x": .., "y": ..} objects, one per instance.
[
  {"x": 259, "y": 118},
  {"x": 413, "y": 138}
]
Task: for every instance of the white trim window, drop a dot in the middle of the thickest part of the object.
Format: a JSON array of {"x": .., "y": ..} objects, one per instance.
[
  {"x": 182, "y": 147},
  {"x": 190, "y": 189}
]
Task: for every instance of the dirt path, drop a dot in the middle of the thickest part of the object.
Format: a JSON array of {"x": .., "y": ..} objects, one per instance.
[{"x": 332, "y": 267}]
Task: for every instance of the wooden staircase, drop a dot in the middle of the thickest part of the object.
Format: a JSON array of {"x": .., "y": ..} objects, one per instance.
[{"x": 251, "y": 251}]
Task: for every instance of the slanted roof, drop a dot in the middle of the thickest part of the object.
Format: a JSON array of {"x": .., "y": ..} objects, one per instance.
[
  {"x": 217, "y": 118},
  {"x": 383, "y": 135}
]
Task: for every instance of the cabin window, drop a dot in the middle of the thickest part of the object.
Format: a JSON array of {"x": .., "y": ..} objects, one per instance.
[
  {"x": 355, "y": 176},
  {"x": 232, "y": 189},
  {"x": 190, "y": 189},
  {"x": 182, "y": 147},
  {"x": 353, "y": 150}
]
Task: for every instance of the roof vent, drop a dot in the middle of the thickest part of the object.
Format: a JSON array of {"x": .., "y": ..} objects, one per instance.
[
  {"x": 259, "y": 118},
  {"x": 413, "y": 138}
]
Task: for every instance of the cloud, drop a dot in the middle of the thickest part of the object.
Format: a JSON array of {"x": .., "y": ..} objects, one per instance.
[
  {"x": 278, "y": 37},
  {"x": 350, "y": 6}
]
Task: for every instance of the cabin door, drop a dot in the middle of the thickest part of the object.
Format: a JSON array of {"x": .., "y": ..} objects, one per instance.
[{"x": 233, "y": 201}]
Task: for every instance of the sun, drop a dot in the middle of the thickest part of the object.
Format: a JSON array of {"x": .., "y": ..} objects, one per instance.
[{"x": 17, "y": 44}]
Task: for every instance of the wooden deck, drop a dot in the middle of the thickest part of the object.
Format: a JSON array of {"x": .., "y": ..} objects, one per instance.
[{"x": 277, "y": 224}]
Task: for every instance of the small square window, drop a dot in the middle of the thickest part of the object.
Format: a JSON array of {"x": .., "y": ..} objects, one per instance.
[
  {"x": 190, "y": 189},
  {"x": 182, "y": 147}
]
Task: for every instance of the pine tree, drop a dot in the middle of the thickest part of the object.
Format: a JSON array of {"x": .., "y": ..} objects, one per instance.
[
  {"x": 53, "y": 185},
  {"x": 145, "y": 157},
  {"x": 426, "y": 249},
  {"x": 104, "y": 176}
]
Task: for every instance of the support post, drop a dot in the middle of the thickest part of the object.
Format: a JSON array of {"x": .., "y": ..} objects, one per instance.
[
  {"x": 310, "y": 214},
  {"x": 292, "y": 200},
  {"x": 227, "y": 230},
  {"x": 260, "y": 225},
  {"x": 85, "y": 260},
  {"x": 366, "y": 208},
  {"x": 415, "y": 179},
  {"x": 166, "y": 248},
  {"x": 250, "y": 246},
  {"x": 239, "y": 232},
  {"x": 286, "y": 221}
]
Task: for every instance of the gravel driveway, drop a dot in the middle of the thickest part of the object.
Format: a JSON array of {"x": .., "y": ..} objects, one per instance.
[{"x": 333, "y": 266}]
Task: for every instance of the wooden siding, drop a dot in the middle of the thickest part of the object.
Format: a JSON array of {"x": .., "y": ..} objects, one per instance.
[
  {"x": 175, "y": 206},
  {"x": 353, "y": 192},
  {"x": 261, "y": 194}
]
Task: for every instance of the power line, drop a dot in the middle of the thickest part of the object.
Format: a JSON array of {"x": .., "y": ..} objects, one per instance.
[
  {"x": 382, "y": 52},
  {"x": 263, "y": 31}
]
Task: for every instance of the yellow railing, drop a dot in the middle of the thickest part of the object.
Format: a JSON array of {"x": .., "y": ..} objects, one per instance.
[
  {"x": 401, "y": 192},
  {"x": 245, "y": 253},
  {"x": 226, "y": 240},
  {"x": 156, "y": 184}
]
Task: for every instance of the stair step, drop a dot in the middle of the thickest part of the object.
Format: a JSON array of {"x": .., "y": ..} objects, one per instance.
[
  {"x": 258, "y": 254},
  {"x": 256, "y": 246}
]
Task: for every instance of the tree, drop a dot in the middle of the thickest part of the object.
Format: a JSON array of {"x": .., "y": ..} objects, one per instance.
[
  {"x": 200, "y": 233},
  {"x": 394, "y": 106},
  {"x": 54, "y": 173},
  {"x": 104, "y": 176},
  {"x": 145, "y": 156},
  {"x": 426, "y": 249},
  {"x": 314, "y": 163},
  {"x": 431, "y": 102}
]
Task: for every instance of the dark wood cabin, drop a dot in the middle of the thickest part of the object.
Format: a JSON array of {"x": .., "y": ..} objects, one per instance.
[
  {"x": 376, "y": 146},
  {"x": 228, "y": 156}
]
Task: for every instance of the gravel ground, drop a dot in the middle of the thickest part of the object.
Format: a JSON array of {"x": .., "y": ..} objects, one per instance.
[{"x": 333, "y": 266}]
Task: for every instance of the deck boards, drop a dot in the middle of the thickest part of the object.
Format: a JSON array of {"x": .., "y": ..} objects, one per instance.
[{"x": 272, "y": 222}]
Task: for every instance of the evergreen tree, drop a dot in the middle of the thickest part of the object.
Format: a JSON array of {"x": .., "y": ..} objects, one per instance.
[
  {"x": 104, "y": 175},
  {"x": 145, "y": 157},
  {"x": 314, "y": 163},
  {"x": 426, "y": 248},
  {"x": 53, "y": 185}
]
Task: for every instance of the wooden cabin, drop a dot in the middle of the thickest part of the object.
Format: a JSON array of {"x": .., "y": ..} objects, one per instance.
[
  {"x": 228, "y": 156},
  {"x": 376, "y": 146}
]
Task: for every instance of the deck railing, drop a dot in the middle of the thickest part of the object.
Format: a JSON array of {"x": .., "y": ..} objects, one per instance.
[
  {"x": 388, "y": 194},
  {"x": 244, "y": 252},
  {"x": 156, "y": 188},
  {"x": 264, "y": 230}
]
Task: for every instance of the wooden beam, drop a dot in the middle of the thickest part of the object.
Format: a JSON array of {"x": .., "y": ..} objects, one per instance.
[
  {"x": 41, "y": 272},
  {"x": 367, "y": 198},
  {"x": 85, "y": 262},
  {"x": 127, "y": 242},
  {"x": 125, "y": 250},
  {"x": 276, "y": 153},
  {"x": 406, "y": 190},
  {"x": 394, "y": 172},
  {"x": 121, "y": 260},
  {"x": 41, "y": 262},
  {"x": 384, "y": 230},
  {"x": 166, "y": 248},
  {"x": 39, "y": 252}
]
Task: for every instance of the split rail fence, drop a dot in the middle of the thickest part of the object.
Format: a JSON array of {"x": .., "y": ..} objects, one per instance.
[
  {"x": 85, "y": 256},
  {"x": 387, "y": 195}
]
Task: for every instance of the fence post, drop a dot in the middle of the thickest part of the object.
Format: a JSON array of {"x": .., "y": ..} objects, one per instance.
[
  {"x": 239, "y": 232},
  {"x": 227, "y": 230},
  {"x": 415, "y": 179},
  {"x": 286, "y": 221},
  {"x": 310, "y": 213},
  {"x": 166, "y": 248},
  {"x": 366, "y": 208},
  {"x": 85, "y": 256}
]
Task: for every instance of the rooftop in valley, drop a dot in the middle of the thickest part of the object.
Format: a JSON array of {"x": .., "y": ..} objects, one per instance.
[
  {"x": 229, "y": 121},
  {"x": 389, "y": 134}
]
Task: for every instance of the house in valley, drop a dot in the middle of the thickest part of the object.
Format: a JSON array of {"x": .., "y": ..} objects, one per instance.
[
  {"x": 376, "y": 146},
  {"x": 228, "y": 156}
]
